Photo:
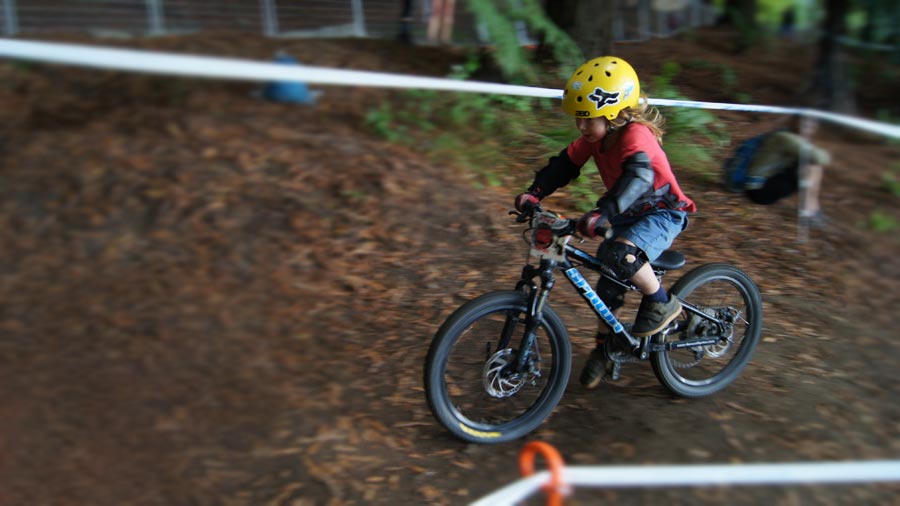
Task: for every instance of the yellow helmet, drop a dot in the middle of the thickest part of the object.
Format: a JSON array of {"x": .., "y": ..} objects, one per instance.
[{"x": 601, "y": 87}]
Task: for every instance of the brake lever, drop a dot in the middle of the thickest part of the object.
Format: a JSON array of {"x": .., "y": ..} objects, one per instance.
[
  {"x": 520, "y": 217},
  {"x": 570, "y": 228},
  {"x": 525, "y": 216}
]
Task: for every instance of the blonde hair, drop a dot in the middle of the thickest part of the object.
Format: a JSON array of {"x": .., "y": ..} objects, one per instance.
[{"x": 645, "y": 114}]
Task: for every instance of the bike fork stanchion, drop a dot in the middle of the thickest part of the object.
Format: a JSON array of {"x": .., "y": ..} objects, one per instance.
[{"x": 536, "y": 303}]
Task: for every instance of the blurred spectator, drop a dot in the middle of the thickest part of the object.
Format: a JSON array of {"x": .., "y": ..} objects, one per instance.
[
  {"x": 788, "y": 20},
  {"x": 440, "y": 21},
  {"x": 785, "y": 162}
]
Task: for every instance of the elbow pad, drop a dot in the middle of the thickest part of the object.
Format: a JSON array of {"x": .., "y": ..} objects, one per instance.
[
  {"x": 558, "y": 172},
  {"x": 636, "y": 180}
]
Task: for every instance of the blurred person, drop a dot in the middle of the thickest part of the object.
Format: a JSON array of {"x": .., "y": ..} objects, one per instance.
[
  {"x": 643, "y": 202},
  {"x": 440, "y": 21},
  {"x": 788, "y": 22},
  {"x": 785, "y": 163}
]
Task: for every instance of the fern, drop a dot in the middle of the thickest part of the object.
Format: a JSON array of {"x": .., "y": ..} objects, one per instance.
[
  {"x": 565, "y": 51},
  {"x": 508, "y": 55},
  {"x": 512, "y": 59},
  {"x": 685, "y": 126}
]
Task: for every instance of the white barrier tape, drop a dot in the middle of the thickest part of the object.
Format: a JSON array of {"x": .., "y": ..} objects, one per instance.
[
  {"x": 859, "y": 123},
  {"x": 826, "y": 473},
  {"x": 247, "y": 70},
  {"x": 724, "y": 106}
]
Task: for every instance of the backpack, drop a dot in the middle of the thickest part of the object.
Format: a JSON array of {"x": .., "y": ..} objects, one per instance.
[{"x": 735, "y": 167}]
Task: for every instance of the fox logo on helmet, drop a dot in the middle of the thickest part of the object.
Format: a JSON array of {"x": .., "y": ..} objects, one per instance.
[{"x": 603, "y": 98}]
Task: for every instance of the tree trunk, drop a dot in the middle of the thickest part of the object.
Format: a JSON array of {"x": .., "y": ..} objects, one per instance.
[
  {"x": 404, "y": 34},
  {"x": 831, "y": 87},
  {"x": 588, "y": 22}
]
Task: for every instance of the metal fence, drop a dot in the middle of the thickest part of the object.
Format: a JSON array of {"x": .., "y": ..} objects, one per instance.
[{"x": 635, "y": 19}]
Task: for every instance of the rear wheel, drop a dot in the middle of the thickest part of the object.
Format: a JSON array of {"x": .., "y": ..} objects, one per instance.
[
  {"x": 471, "y": 384},
  {"x": 728, "y": 294}
]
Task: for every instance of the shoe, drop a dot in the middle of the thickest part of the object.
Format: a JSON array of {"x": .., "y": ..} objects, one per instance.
[
  {"x": 817, "y": 220},
  {"x": 594, "y": 368},
  {"x": 653, "y": 317}
]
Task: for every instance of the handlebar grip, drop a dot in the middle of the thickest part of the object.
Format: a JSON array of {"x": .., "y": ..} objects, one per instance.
[{"x": 528, "y": 209}]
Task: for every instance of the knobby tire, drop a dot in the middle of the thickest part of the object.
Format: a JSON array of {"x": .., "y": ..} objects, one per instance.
[
  {"x": 454, "y": 365},
  {"x": 685, "y": 372}
]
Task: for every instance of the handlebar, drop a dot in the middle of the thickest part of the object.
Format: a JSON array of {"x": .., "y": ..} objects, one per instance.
[{"x": 570, "y": 228}]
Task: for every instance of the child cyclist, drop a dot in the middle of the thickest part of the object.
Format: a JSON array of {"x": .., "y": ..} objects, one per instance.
[{"x": 643, "y": 203}]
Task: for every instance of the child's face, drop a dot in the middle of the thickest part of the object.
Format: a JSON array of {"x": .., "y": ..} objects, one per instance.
[{"x": 592, "y": 129}]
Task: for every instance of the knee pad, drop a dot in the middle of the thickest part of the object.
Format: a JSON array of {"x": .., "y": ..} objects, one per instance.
[
  {"x": 610, "y": 293},
  {"x": 614, "y": 256}
]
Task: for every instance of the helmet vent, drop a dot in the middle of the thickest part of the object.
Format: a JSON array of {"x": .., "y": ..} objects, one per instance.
[
  {"x": 590, "y": 78},
  {"x": 579, "y": 99},
  {"x": 614, "y": 62},
  {"x": 608, "y": 74}
]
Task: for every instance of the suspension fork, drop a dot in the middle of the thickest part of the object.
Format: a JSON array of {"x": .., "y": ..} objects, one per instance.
[{"x": 537, "y": 299}]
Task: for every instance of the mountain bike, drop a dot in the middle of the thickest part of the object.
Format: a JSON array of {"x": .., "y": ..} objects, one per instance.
[{"x": 499, "y": 364}]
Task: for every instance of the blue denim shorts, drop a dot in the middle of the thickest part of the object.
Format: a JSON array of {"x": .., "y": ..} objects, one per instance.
[{"x": 653, "y": 232}]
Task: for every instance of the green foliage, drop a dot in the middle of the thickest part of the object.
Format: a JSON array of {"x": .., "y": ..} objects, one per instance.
[
  {"x": 879, "y": 221},
  {"x": 466, "y": 129},
  {"x": 508, "y": 54},
  {"x": 891, "y": 181},
  {"x": 729, "y": 77},
  {"x": 477, "y": 128},
  {"x": 884, "y": 114},
  {"x": 565, "y": 50},
  {"x": 769, "y": 12},
  {"x": 356, "y": 196},
  {"x": 690, "y": 133},
  {"x": 381, "y": 120},
  {"x": 23, "y": 67},
  {"x": 512, "y": 59},
  {"x": 747, "y": 27},
  {"x": 480, "y": 131},
  {"x": 727, "y": 73}
]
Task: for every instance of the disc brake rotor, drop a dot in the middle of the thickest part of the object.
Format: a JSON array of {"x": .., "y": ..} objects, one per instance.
[
  {"x": 497, "y": 376},
  {"x": 700, "y": 327},
  {"x": 722, "y": 347}
]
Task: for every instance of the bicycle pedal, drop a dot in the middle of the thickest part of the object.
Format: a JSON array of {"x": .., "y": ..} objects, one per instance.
[{"x": 615, "y": 372}]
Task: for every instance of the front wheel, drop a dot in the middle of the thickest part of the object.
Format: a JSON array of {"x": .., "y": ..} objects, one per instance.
[
  {"x": 471, "y": 383},
  {"x": 728, "y": 295}
]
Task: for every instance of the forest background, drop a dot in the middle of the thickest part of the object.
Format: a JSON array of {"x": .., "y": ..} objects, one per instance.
[{"x": 211, "y": 298}]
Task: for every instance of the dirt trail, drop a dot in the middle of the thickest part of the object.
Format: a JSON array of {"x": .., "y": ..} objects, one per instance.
[{"x": 208, "y": 299}]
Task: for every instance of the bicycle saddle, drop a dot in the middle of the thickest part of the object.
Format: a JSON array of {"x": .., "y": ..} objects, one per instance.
[{"x": 669, "y": 260}]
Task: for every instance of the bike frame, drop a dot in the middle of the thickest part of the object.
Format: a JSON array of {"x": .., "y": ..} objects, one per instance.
[{"x": 538, "y": 295}]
